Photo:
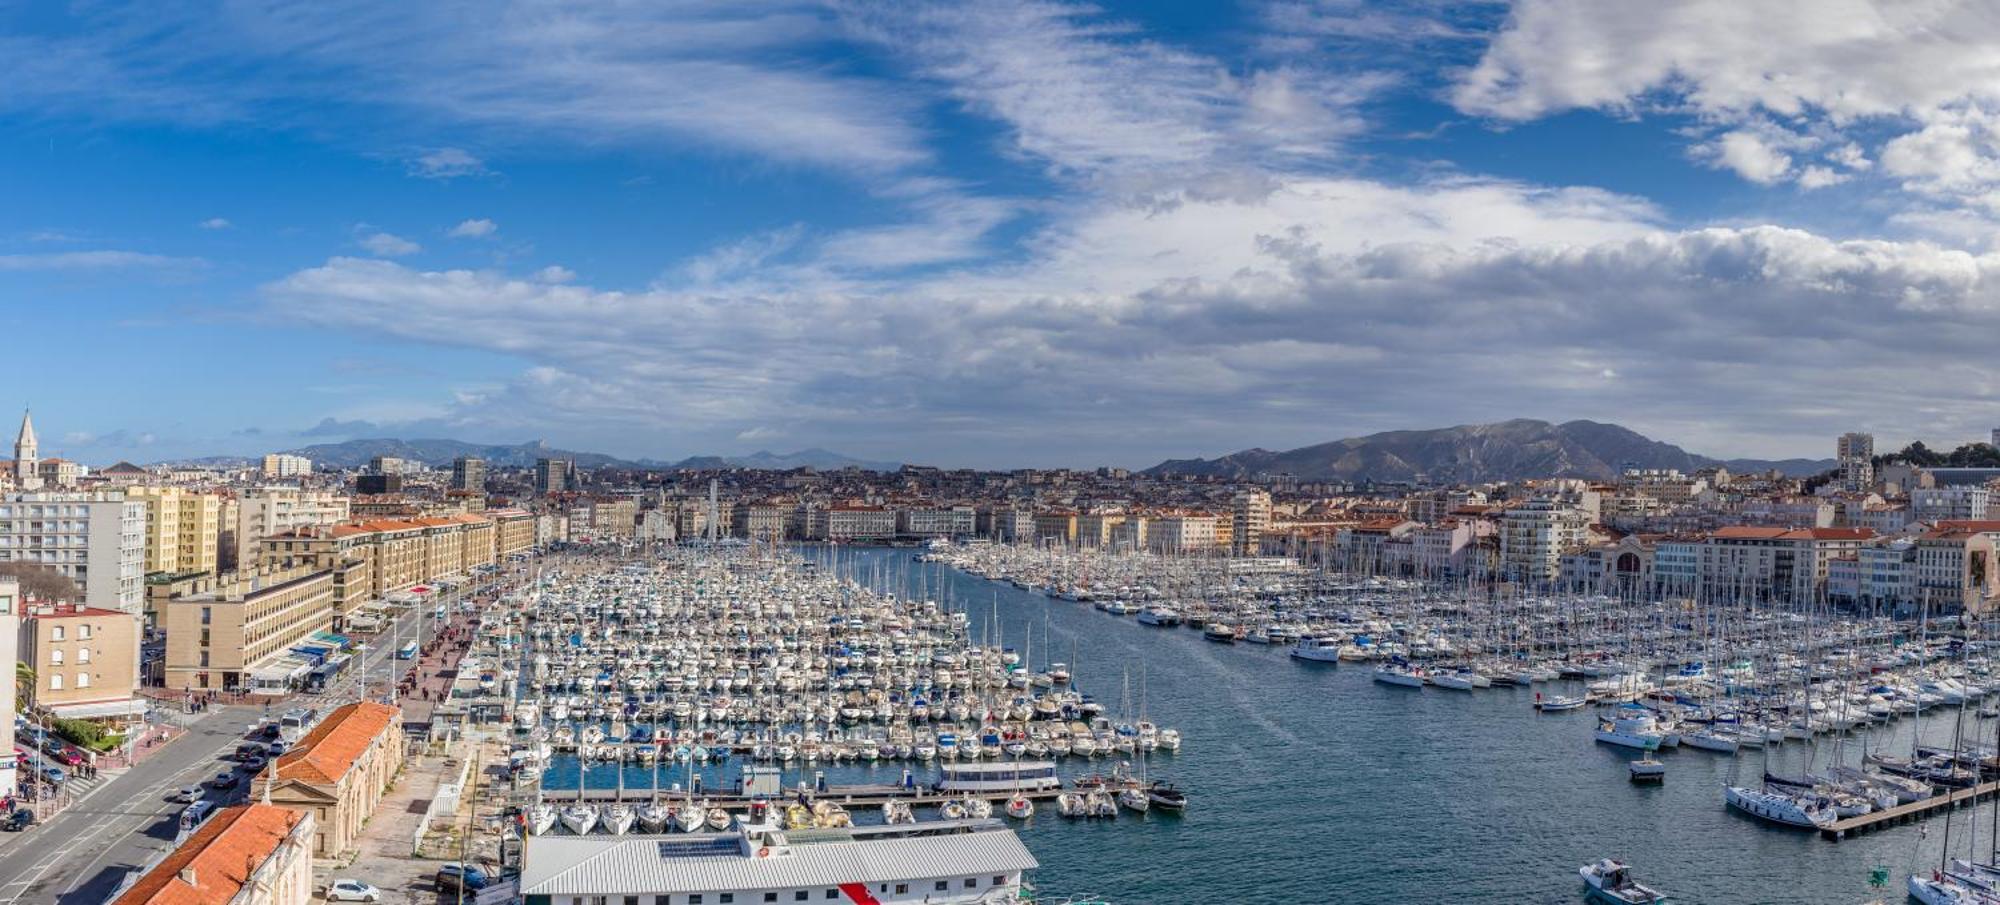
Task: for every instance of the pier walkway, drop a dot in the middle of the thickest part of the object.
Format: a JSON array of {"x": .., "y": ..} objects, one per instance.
[{"x": 1915, "y": 810}]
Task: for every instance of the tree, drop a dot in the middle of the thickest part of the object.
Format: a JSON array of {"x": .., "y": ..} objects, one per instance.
[
  {"x": 40, "y": 581},
  {"x": 24, "y": 679}
]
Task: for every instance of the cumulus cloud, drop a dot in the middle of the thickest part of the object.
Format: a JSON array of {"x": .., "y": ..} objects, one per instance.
[
  {"x": 1453, "y": 299},
  {"x": 1835, "y": 73},
  {"x": 473, "y": 229},
  {"x": 214, "y": 223}
]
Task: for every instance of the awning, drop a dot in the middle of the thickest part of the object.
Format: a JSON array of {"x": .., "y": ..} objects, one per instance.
[
  {"x": 100, "y": 709},
  {"x": 332, "y": 638}
]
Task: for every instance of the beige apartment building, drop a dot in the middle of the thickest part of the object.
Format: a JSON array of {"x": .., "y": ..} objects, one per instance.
[
  {"x": 86, "y": 661},
  {"x": 182, "y": 528},
  {"x": 218, "y": 634}
]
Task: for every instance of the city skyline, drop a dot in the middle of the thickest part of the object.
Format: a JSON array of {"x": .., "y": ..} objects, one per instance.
[{"x": 1035, "y": 234}]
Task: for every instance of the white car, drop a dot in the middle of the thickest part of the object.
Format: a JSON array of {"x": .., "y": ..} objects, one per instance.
[
  {"x": 187, "y": 794},
  {"x": 352, "y": 891}
]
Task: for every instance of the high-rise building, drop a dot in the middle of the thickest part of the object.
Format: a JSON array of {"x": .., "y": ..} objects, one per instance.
[
  {"x": 269, "y": 510},
  {"x": 284, "y": 465},
  {"x": 27, "y": 462},
  {"x": 468, "y": 473},
  {"x": 554, "y": 475},
  {"x": 182, "y": 527},
  {"x": 1252, "y": 519},
  {"x": 1856, "y": 453},
  {"x": 97, "y": 540}
]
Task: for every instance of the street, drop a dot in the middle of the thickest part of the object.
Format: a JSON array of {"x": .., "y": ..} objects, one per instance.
[{"x": 83, "y": 854}]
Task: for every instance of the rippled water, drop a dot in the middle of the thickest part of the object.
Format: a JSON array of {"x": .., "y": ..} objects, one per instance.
[{"x": 1311, "y": 783}]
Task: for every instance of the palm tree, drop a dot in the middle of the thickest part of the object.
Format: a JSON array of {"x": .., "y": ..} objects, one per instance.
[{"x": 24, "y": 679}]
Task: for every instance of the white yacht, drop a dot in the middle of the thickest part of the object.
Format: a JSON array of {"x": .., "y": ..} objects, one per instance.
[
  {"x": 1777, "y": 808},
  {"x": 1631, "y": 729},
  {"x": 1399, "y": 675}
]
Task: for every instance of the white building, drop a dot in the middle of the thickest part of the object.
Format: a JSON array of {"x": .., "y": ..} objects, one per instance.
[
  {"x": 1181, "y": 533},
  {"x": 955, "y": 521},
  {"x": 97, "y": 540},
  {"x": 1535, "y": 535},
  {"x": 860, "y": 523},
  {"x": 1251, "y": 514},
  {"x": 1964, "y": 502}
]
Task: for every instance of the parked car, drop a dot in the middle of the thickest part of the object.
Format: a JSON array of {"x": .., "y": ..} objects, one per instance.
[
  {"x": 352, "y": 891},
  {"x": 64, "y": 754},
  {"x": 253, "y": 764},
  {"x": 224, "y": 780},
  {"x": 21, "y": 819},
  {"x": 275, "y": 747},
  {"x": 187, "y": 795},
  {"x": 54, "y": 774},
  {"x": 248, "y": 750},
  {"x": 453, "y": 876}
]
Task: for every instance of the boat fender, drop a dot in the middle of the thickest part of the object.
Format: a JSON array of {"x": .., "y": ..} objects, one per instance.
[{"x": 764, "y": 852}]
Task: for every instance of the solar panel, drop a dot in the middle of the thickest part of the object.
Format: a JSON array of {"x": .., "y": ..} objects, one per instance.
[{"x": 699, "y": 848}]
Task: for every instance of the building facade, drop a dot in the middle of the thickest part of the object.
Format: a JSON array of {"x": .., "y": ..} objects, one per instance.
[
  {"x": 338, "y": 773},
  {"x": 96, "y": 539}
]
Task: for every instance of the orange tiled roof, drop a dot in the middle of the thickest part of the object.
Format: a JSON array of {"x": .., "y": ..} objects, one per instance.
[
  {"x": 332, "y": 747},
  {"x": 1748, "y": 532},
  {"x": 221, "y": 854}
]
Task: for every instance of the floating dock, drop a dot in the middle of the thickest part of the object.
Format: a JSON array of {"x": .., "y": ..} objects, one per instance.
[{"x": 1915, "y": 810}]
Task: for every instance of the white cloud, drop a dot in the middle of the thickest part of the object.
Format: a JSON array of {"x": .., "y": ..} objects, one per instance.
[
  {"x": 1800, "y": 74},
  {"x": 555, "y": 273},
  {"x": 446, "y": 163},
  {"x": 473, "y": 229},
  {"x": 1752, "y": 158},
  {"x": 214, "y": 223},
  {"x": 733, "y": 77},
  {"x": 386, "y": 245},
  {"x": 1450, "y": 301},
  {"x": 93, "y": 260}
]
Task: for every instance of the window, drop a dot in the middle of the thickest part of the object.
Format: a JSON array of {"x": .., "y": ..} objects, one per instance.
[
  {"x": 82, "y": 655},
  {"x": 999, "y": 881},
  {"x": 800, "y": 896},
  {"x": 631, "y": 900},
  {"x": 726, "y": 898},
  {"x": 971, "y": 882},
  {"x": 833, "y": 893},
  {"x": 770, "y": 897},
  {"x": 83, "y": 680},
  {"x": 83, "y": 632},
  {"x": 942, "y": 886},
  {"x": 902, "y": 889},
  {"x": 694, "y": 899},
  {"x": 55, "y": 681},
  {"x": 56, "y": 658},
  {"x": 56, "y": 633}
]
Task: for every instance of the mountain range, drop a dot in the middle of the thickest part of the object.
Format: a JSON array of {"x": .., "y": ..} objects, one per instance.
[
  {"x": 440, "y": 452},
  {"x": 1478, "y": 453}
]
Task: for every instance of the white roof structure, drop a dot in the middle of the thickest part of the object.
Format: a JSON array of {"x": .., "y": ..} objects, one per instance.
[{"x": 611, "y": 865}]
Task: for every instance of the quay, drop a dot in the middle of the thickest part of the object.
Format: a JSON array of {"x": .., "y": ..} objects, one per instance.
[
  {"x": 1915, "y": 810},
  {"x": 863, "y": 795}
]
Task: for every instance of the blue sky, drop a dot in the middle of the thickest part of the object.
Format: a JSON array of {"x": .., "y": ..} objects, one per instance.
[{"x": 1022, "y": 233}]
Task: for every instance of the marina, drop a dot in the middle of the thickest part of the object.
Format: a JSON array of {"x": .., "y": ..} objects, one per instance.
[{"x": 1239, "y": 712}]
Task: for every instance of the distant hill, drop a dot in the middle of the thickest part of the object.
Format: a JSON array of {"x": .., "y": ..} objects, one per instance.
[
  {"x": 1476, "y": 453},
  {"x": 438, "y": 452}
]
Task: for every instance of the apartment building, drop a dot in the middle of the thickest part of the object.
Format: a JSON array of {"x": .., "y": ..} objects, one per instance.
[
  {"x": 182, "y": 528},
  {"x": 1534, "y": 536},
  {"x": 554, "y": 476},
  {"x": 96, "y": 539},
  {"x": 243, "y": 620},
  {"x": 1963, "y": 502},
  {"x": 941, "y": 521},
  {"x": 86, "y": 660},
  {"x": 282, "y": 465},
  {"x": 1094, "y": 529},
  {"x": 1250, "y": 518},
  {"x": 763, "y": 520},
  {"x": 847, "y": 523},
  {"x": 468, "y": 473},
  {"x": 265, "y": 511},
  {"x": 1055, "y": 527},
  {"x": 1182, "y": 533}
]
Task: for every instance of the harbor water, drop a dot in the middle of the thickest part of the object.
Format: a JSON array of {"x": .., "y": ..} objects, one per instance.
[{"x": 1311, "y": 783}]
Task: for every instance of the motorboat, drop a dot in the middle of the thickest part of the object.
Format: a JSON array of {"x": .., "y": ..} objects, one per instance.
[
  {"x": 1611, "y": 881},
  {"x": 1317, "y": 650},
  {"x": 1072, "y": 805},
  {"x": 1020, "y": 808},
  {"x": 1167, "y": 797},
  {"x": 1559, "y": 704}
]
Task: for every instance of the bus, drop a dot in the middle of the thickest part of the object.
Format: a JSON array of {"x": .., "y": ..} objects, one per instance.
[
  {"x": 295, "y": 723},
  {"x": 407, "y": 651}
]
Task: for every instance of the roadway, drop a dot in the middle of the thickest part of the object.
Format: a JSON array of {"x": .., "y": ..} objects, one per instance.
[{"x": 82, "y": 855}]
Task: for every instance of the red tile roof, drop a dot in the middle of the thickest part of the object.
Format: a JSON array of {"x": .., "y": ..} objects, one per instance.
[
  {"x": 332, "y": 747},
  {"x": 1748, "y": 532},
  {"x": 221, "y": 855}
]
